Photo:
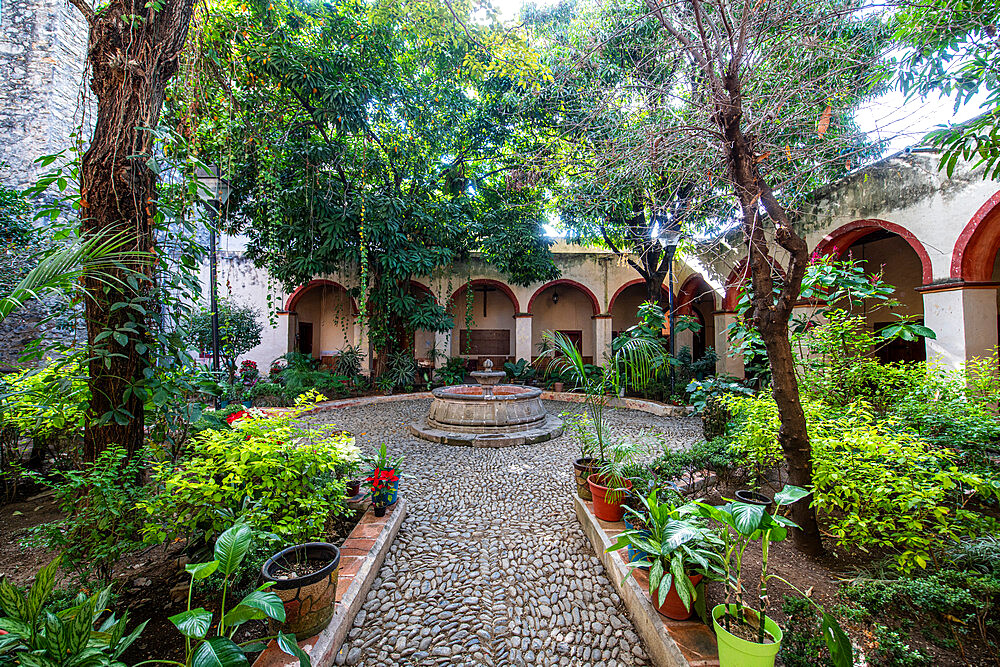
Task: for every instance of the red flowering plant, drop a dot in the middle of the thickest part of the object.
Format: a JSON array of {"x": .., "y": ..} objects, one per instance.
[{"x": 383, "y": 475}]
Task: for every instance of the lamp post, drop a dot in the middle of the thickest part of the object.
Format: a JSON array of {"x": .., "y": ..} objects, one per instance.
[
  {"x": 214, "y": 191},
  {"x": 666, "y": 231}
]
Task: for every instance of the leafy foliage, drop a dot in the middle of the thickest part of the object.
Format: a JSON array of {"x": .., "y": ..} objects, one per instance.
[
  {"x": 101, "y": 523},
  {"x": 268, "y": 470},
  {"x": 239, "y": 331},
  {"x": 863, "y": 470},
  {"x": 219, "y": 650},
  {"x": 39, "y": 636},
  {"x": 949, "y": 48},
  {"x": 361, "y": 141}
]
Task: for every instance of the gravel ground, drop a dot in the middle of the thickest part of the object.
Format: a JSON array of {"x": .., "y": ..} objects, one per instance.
[{"x": 491, "y": 566}]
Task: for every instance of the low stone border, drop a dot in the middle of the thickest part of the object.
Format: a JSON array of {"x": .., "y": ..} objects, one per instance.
[
  {"x": 668, "y": 643},
  {"x": 361, "y": 556},
  {"x": 651, "y": 407}
]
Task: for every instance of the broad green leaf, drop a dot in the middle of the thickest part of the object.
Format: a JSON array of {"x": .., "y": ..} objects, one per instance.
[
  {"x": 288, "y": 644},
  {"x": 201, "y": 570},
  {"x": 746, "y": 517},
  {"x": 12, "y": 602},
  {"x": 41, "y": 589},
  {"x": 789, "y": 494},
  {"x": 681, "y": 582},
  {"x": 841, "y": 652},
  {"x": 256, "y": 605},
  {"x": 218, "y": 652},
  {"x": 120, "y": 647},
  {"x": 193, "y": 622},
  {"x": 231, "y": 547}
]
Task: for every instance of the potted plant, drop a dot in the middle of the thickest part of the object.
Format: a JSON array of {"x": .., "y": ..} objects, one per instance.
[
  {"x": 383, "y": 479},
  {"x": 586, "y": 464},
  {"x": 610, "y": 482},
  {"x": 385, "y": 384},
  {"x": 747, "y": 637},
  {"x": 304, "y": 577},
  {"x": 679, "y": 550},
  {"x": 201, "y": 647},
  {"x": 566, "y": 361}
]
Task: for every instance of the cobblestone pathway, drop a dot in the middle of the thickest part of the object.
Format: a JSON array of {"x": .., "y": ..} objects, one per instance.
[{"x": 490, "y": 566}]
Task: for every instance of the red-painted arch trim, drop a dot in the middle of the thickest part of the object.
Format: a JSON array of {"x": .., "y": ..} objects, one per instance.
[
  {"x": 492, "y": 283},
  {"x": 693, "y": 288},
  {"x": 967, "y": 251},
  {"x": 840, "y": 239},
  {"x": 294, "y": 297},
  {"x": 734, "y": 285},
  {"x": 420, "y": 287},
  {"x": 637, "y": 281},
  {"x": 569, "y": 283}
]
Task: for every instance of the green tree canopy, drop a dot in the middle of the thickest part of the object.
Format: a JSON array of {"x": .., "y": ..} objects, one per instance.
[
  {"x": 370, "y": 139},
  {"x": 239, "y": 331}
]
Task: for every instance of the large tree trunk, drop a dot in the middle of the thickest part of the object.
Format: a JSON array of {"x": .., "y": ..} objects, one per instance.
[
  {"x": 133, "y": 53},
  {"x": 771, "y": 314}
]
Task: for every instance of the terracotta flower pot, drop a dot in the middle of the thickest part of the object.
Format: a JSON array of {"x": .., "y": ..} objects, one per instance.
[
  {"x": 672, "y": 606},
  {"x": 605, "y": 508},
  {"x": 309, "y": 599},
  {"x": 557, "y": 387},
  {"x": 582, "y": 469},
  {"x": 353, "y": 487}
]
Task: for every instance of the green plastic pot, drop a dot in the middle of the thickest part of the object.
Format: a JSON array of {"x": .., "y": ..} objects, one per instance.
[{"x": 736, "y": 652}]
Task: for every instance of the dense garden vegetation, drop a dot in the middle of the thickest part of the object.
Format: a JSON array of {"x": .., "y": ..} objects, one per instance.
[{"x": 390, "y": 140}]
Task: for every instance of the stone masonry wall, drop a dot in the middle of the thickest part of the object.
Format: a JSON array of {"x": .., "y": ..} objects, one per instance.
[{"x": 43, "y": 46}]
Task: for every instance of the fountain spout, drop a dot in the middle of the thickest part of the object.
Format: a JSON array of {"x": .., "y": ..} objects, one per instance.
[{"x": 488, "y": 379}]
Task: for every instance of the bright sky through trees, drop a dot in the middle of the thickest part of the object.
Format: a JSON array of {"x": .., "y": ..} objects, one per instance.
[{"x": 888, "y": 118}]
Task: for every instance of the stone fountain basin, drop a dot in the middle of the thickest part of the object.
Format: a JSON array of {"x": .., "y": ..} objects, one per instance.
[
  {"x": 501, "y": 416},
  {"x": 471, "y": 409}
]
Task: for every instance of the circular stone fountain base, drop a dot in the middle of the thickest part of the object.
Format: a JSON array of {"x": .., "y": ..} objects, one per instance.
[
  {"x": 551, "y": 427},
  {"x": 487, "y": 416}
]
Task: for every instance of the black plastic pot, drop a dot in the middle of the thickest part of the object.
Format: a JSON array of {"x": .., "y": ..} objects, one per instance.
[{"x": 752, "y": 498}]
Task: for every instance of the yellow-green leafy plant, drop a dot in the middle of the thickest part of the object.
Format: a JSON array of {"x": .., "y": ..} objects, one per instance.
[
  {"x": 41, "y": 402},
  {"x": 880, "y": 486},
  {"x": 270, "y": 470}
]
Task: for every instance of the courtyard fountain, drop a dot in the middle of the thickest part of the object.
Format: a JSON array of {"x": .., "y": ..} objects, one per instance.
[{"x": 487, "y": 414}]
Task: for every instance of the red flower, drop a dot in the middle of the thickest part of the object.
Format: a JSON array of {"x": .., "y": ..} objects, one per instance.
[
  {"x": 236, "y": 415},
  {"x": 381, "y": 479}
]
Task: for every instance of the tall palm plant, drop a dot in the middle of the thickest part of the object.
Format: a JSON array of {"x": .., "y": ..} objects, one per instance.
[{"x": 636, "y": 358}]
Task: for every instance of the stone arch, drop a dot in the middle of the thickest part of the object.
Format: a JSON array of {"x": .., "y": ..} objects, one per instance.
[
  {"x": 977, "y": 245},
  {"x": 490, "y": 283},
  {"x": 734, "y": 285},
  {"x": 631, "y": 283},
  {"x": 570, "y": 283},
  {"x": 299, "y": 291},
  {"x": 840, "y": 239},
  {"x": 694, "y": 287}
]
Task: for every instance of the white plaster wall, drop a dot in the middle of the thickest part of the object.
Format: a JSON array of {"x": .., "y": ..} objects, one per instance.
[{"x": 573, "y": 312}]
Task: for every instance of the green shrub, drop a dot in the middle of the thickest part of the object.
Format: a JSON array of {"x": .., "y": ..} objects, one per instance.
[
  {"x": 716, "y": 455},
  {"x": 802, "y": 644},
  {"x": 101, "y": 522},
  {"x": 878, "y": 486},
  {"x": 453, "y": 371},
  {"x": 43, "y": 402},
  {"x": 268, "y": 470}
]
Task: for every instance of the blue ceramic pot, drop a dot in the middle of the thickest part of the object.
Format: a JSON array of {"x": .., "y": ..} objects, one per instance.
[
  {"x": 388, "y": 496},
  {"x": 633, "y": 553}
]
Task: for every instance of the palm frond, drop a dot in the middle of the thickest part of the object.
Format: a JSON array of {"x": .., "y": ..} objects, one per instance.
[{"x": 62, "y": 270}]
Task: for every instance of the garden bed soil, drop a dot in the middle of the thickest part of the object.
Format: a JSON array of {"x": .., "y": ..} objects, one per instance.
[{"x": 149, "y": 583}]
